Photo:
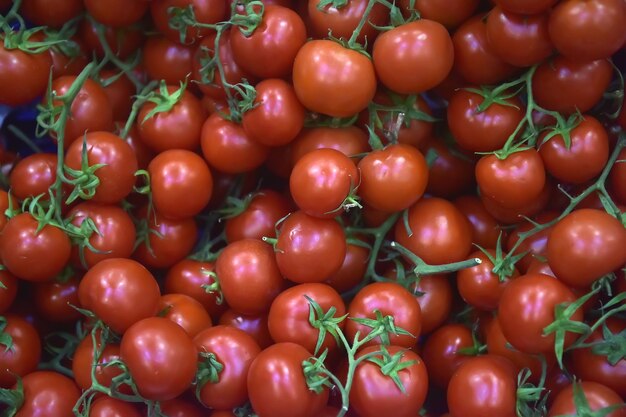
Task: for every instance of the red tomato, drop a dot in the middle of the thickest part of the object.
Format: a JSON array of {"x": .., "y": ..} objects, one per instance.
[
  {"x": 120, "y": 91},
  {"x": 342, "y": 20},
  {"x": 349, "y": 140},
  {"x": 51, "y": 13},
  {"x": 54, "y": 300},
  {"x": 449, "y": 13},
  {"x": 83, "y": 361},
  {"x": 112, "y": 407},
  {"x": 123, "y": 41},
  {"x": 23, "y": 76},
  {"x": 525, "y": 6},
  {"x": 204, "y": 11},
  {"x": 9, "y": 290},
  {"x": 164, "y": 59},
  {"x": 617, "y": 176},
  {"x": 254, "y": 325},
  {"x": 352, "y": 270},
  {"x": 598, "y": 397},
  {"x": 186, "y": 312},
  {"x": 442, "y": 352},
  {"x": 20, "y": 349},
  {"x": 33, "y": 175},
  {"x": 451, "y": 173},
  {"x": 116, "y": 12},
  {"x": 484, "y": 226},
  {"x": 48, "y": 393}
]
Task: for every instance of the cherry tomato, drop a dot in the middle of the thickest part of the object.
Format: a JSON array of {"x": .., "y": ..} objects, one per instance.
[
  {"x": 20, "y": 349},
  {"x": 341, "y": 21},
  {"x": 598, "y": 397},
  {"x": 254, "y": 325},
  {"x": 617, "y": 177},
  {"x": 186, "y": 312},
  {"x": 525, "y": 6},
  {"x": 451, "y": 173},
  {"x": 442, "y": 352},
  {"x": 48, "y": 393},
  {"x": 8, "y": 292},
  {"x": 352, "y": 269},
  {"x": 23, "y": 76},
  {"x": 83, "y": 361},
  {"x": 349, "y": 140},
  {"x": 51, "y": 13},
  {"x": 204, "y": 11},
  {"x": 449, "y": 13},
  {"x": 116, "y": 13},
  {"x": 112, "y": 407},
  {"x": 534, "y": 244},
  {"x": 33, "y": 175},
  {"x": 164, "y": 59},
  {"x": 123, "y": 41},
  {"x": 484, "y": 226},
  {"x": 54, "y": 300}
]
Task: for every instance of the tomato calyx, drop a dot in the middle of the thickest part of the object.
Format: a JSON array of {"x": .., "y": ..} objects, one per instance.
[
  {"x": 21, "y": 40},
  {"x": 612, "y": 345},
  {"x": 503, "y": 266},
  {"x": 314, "y": 373},
  {"x": 477, "y": 347},
  {"x": 563, "y": 128},
  {"x": 164, "y": 100},
  {"x": 208, "y": 372},
  {"x": 83, "y": 180},
  {"x": 144, "y": 230},
  {"x": 250, "y": 19},
  {"x": 382, "y": 327},
  {"x": 582, "y": 406},
  {"x": 391, "y": 365},
  {"x": 324, "y": 321},
  {"x": 214, "y": 287},
  {"x": 12, "y": 398},
  {"x": 5, "y": 339},
  {"x": 528, "y": 394}
]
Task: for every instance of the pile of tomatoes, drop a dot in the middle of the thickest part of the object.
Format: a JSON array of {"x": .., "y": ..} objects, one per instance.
[{"x": 311, "y": 208}]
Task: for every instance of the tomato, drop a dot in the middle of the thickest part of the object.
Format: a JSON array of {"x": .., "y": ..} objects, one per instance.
[
  {"x": 167, "y": 241},
  {"x": 254, "y": 325},
  {"x": 451, "y": 173},
  {"x": 309, "y": 249},
  {"x": 341, "y": 21},
  {"x": 20, "y": 349},
  {"x": 413, "y": 57},
  {"x": 51, "y": 13},
  {"x": 186, "y": 312},
  {"x": 54, "y": 300},
  {"x": 228, "y": 148},
  {"x": 449, "y": 13},
  {"x": 374, "y": 393},
  {"x": 120, "y": 91},
  {"x": 585, "y": 245},
  {"x": 333, "y": 80},
  {"x": 164, "y": 59},
  {"x": 235, "y": 350},
  {"x": 485, "y": 228},
  {"x": 349, "y": 140},
  {"x": 83, "y": 361},
  {"x": 32, "y": 254},
  {"x": 513, "y": 181},
  {"x": 474, "y": 57},
  {"x": 181, "y": 183},
  {"x": 124, "y": 41},
  {"x": 180, "y": 407},
  {"x": 512, "y": 215},
  {"x": 434, "y": 295},
  {"x": 534, "y": 244},
  {"x": 204, "y": 11},
  {"x": 112, "y": 407},
  {"x": 176, "y": 128},
  {"x": 72, "y": 63},
  {"x": 617, "y": 177},
  {"x": 519, "y": 39},
  {"x": 277, "y": 386},
  {"x": 442, "y": 352},
  {"x": 116, "y": 13},
  {"x": 278, "y": 116},
  {"x": 90, "y": 111},
  {"x": 598, "y": 397},
  {"x": 120, "y": 292},
  {"x": 481, "y": 386},
  {"x": 142, "y": 152},
  {"x": 8, "y": 292},
  {"x": 288, "y": 318},
  {"x": 483, "y": 131},
  {"x": 270, "y": 50},
  {"x": 48, "y": 393},
  {"x": 527, "y": 306},
  {"x": 525, "y": 6},
  {"x": 569, "y": 86},
  {"x": 352, "y": 270},
  {"x": 393, "y": 178},
  {"x": 24, "y": 76},
  {"x": 391, "y": 299},
  {"x": 33, "y": 175},
  {"x": 249, "y": 263},
  {"x": 149, "y": 348},
  {"x": 585, "y": 157},
  {"x": 114, "y": 237},
  {"x": 440, "y": 232}
]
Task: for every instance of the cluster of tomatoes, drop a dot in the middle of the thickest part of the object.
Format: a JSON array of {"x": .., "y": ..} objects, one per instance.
[{"x": 309, "y": 208}]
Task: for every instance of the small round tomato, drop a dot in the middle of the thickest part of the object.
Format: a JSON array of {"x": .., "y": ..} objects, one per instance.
[
  {"x": 535, "y": 244},
  {"x": 332, "y": 79},
  {"x": 375, "y": 394},
  {"x": 32, "y": 254},
  {"x": 449, "y": 13},
  {"x": 20, "y": 349},
  {"x": 598, "y": 397},
  {"x": 482, "y": 386},
  {"x": 254, "y": 325},
  {"x": 352, "y": 270},
  {"x": 112, "y": 407},
  {"x": 485, "y": 227},
  {"x": 150, "y": 348},
  {"x": 117, "y": 13},
  {"x": 235, "y": 350},
  {"x": 120, "y": 90},
  {"x": 8, "y": 292},
  {"x": 120, "y": 292},
  {"x": 413, "y": 57},
  {"x": 527, "y": 306},
  {"x": 434, "y": 295},
  {"x": 309, "y": 249},
  {"x": 287, "y": 395},
  {"x": 585, "y": 245},
  {"x": 442, "y": 352},
  {"x": 51, "y": 13},
  {"x": 33, "y": 175},
  {"x": 342, "y": 20},
  {"x": 525, "y": 6},
  {"x": 54, "y": 300},
  {"x": 617, "y": 176},
  {"x": 184, "y": 407},
  {"x": 24, "y": 76},
  {"x": 451, "y": 173},
  {"x": 204, "y": 11},
  {"x": 350, "y": 140},
  {"x": 186, "y": 312},
  {"x": 83, "y": 362},
  {"x": 48, "y": 393},
  {"x": 167, "y": 60},
  {"x": 181, "y": 183}
]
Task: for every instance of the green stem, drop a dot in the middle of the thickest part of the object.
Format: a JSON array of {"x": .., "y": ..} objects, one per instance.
[{"x": 352, "y": 42}]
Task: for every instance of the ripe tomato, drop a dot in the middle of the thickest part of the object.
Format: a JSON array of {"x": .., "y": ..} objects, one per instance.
[
  {"x": 585, "y": 245},
  {"x": 254, "y": 325},
  {"x": 277, "y": 386},
  {"x": 51, "y": 13},
  {"x": 434, "y": 295},
  {"x": 527, "y": 306},
  {"x": 120, "y": 91},
  {"x": 20, "y": 349},
  {"x": 120, "y": 292},
  {"x": 112, "y": 407},
  {"x": 413, "y": 57},
  {"x": 186, "y": 312},
  {"x": 177, "y": 128},
  {"x": 440, "y": 232},
  {"x": 341, "y": 21},
  {"x": 32, "y": 254},
  {"x": 485, "y": 228},
  {"x": 394, "y": 178},
  {"x": 48, "y": 393},
  {"x": 534, "y": 244},
  {"x": 164, "y": 59},
  {"x": 23, "y": 76},
  {"x": 442, "y": 352},
  {"x": 598, "y": 397},
  {"x": 235, "y": 350},
  {"x": 83, "y": 361},
  {"x": 54, "y": 300},
  {"x": 181, "y": 183},
  {"x": 124, "y": 41},
  {"x": 204, "y": 11},
  {"x": 250, "y": 264},
  {"x": 149, "y": 348},
  {"x": 449, "y": 13},
  {"x": 451, "y": 173},
  {"x": 116, "y": 13},
  {"x": 33, "y": 175},
  {"x": 390, "y": 299},
  {"x": 525, "y": 6},
  {"x": 183, "y": 407},
  {"x": 352, "y": 270},
  {"x": 9, "y": 292},
  {"x": 617, "y": 176},
  {"x": 332, "y": 79},
  {"x": 349, "y": 140},
  {"x": 482, "y": 386},
  {"x": 309, "y": 249},
  {"x": 375, "y": 394}
]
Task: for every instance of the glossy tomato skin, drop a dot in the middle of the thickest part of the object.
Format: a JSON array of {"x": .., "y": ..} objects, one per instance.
[
  {"x": 484, "y": 131},
  {"x": 342, "y": 21},
  {"x": 112, "y": 407},
  {"x": 584, "y": 31},
  {"x": 9, "y": 292},
  {"x": 249, "y": 263},
  {"x": 585, "y": 245},
  {"x": 205, "y": 11},
  {"x": 164, "y": 59},
  {"x": 33, "y": 175},
  {"x": 235, "y": 350},
  {"x": 270, "y": 50},
  {"x": 117, "y": 177},
  {"x": 181, "y": 183},
  {"x": 435, "y": 297},
  {"x": 375, "y": 394},
  {"x": 51, "y": 13},
  {"x": 449, "y": 13},
  {"x": 22, "y": 355},
  {"x": 120, "y": 91},
  {"x": 116, "y": 13},
  {"x": 186, "y": 312},
  {"x": 525, "y": 6},
  {"x": 277, "y": 386},
  {"x": 333, "y": 80},
  {"x": 450, "y": 174},
  {"x": 393, "y": 178},
  {"x": 586, "y": 156},
  {"x": 413, "y": 57},
  {"x": 54, "y": 300},
  {"x": 30, "y": 254},
  {"x": 149, "y": 348},
  {"x": 617, "y": 177},
  {"x": 441, "y": 352},
  {"x": 83, "y": 360},
  {"x": 514, "y": 181},
  {"x": 254, "y": 325},
  {"x": 48, "y": 393},
  {"x": 484, "y": 226},
  {"x": 24, "y": 76},
  {"x": 183, "y": 407},
  {"x": 309, "y": 249},
  {"x": 349, "y": 140},
  {"x": 481, "y": 386},
  {"x": 352, "y": 270},
  {"x": 598, "y": 397},
  {"x": 288, "y": 317},
  {"x": 527, "y": 306},
  {"x": 120, "y": 292},
  {"x": 389, "y": 299},
  {"x": 441, "y": 233},
  {"x": 535, "y": 244}
]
